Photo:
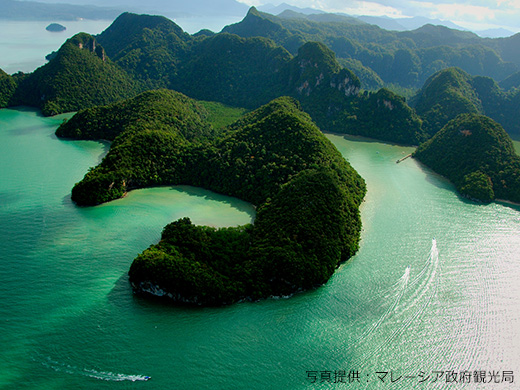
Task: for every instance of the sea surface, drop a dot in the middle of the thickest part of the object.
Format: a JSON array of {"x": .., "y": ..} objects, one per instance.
[{"x": 433, "y": 290}]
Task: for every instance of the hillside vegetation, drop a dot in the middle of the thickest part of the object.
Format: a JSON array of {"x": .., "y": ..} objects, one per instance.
[
  {"x": 141, "y": 52},
  {"x": 406, "y": 58},
  {"x": 476, "y": 154},
  {"x": 7, "y": 88},
  {"x": 289, "y": 55},
  {"x": 275, "y": 157},
  {"x": 79, "y": 76},
  {"x": 452, "y": 91}
]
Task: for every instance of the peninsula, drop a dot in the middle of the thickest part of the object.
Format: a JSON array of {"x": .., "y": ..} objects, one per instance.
[{"x": 307, "y": 196}]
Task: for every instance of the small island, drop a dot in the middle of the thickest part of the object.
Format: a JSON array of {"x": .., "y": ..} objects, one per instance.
[
  {"x": 475, "y": 153},
  {"x": 55, "y": 27}
]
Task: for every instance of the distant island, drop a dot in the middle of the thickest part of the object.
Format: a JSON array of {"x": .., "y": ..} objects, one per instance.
[
  {"x": 55, "y": 27},
  {"x": 307, "y": 195}
]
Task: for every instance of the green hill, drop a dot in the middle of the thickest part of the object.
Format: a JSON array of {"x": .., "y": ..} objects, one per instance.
[
  {"x": 452, "y": 91},
  {"x": 80, "y": 75},
  {"x": 476, "y": 154},
  {"x": 7, "y": 88},
  {"x": 259, "y": 24},
  {"x": 405, "y": 58},
  {"x": 275, "y": 157},
  {"x": 233, "y": 70},
  {"x": 511, "y": 82},
  {"x": 331, "y": 95},
  {"x": 145, "y": 52},
  {"x": 161, "y": 109},
  {"x": 385, "y": 116},
  {"x": 445, "y": 95},
  {"x": 149, "y": 48}
]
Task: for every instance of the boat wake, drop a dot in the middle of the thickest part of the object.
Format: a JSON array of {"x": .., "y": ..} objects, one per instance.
[
  {"x": 91, "y": 373},
  {"x": 401, "y": 285},
  {"x": 407, "y": 300}
]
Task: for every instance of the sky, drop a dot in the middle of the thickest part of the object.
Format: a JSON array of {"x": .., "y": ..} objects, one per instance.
[{"x": 473, "y": 15}]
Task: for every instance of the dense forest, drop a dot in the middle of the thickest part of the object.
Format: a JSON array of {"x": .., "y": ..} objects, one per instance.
[
  {"x": 405, "y": 58},
  {"x": 476, "y": 154},
  {"x": 143, "y": 52},
  {"x": 7, "y": 88},
  {"x": 452, "y": 91},
  {"x": 79, "y": 75},
  {"x": 307, "y": 195},
  {"x": 140, "y": 52}
]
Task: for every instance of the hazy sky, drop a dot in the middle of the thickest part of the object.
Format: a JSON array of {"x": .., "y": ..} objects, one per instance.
[{"x": 474, "y": 14}]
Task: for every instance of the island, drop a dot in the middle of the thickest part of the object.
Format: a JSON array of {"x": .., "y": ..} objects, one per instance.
[
  {"x": 55, "y": 27},
  {"x": 7, "y": 88},
  {"x": 306, "y": 194},
  {"x": 475, "y": 153}
]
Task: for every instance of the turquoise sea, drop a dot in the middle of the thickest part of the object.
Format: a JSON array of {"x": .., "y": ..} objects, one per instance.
[
  {"x": 434, "y": 286},
  {"x": 433, "y": 295}
]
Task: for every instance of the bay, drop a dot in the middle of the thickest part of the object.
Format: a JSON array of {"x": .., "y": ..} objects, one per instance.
[{"x": 433, "y": 287}]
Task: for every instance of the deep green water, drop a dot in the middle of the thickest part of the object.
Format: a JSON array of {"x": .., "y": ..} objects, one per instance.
[{"x": 404, "y": 304}]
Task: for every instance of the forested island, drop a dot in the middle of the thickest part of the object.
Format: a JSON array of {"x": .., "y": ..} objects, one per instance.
[
  {"x": 145, "y": 85},
  {"x": 55, "y": 27},
  {"x": 140, "y": 52},
  {"x": 307, "y": 195},
  {"x": 476, "y": 154},
  {"x": 451, "y": 92}
]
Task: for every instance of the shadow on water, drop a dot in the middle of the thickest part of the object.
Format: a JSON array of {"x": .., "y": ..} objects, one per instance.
[
  {"x": 205, "y": 194},
  {"x": 105, "y": 144},
  {"x": 198, "y": 192},
  {"x": 26, "y": 130},
  {"x": 513, "y": 206},
  {"x": 8, "y": 198},
  {"x": 441, "y": 182},
  {"x": 361, "y": 139},
  {"x": 434, "y": 178}
]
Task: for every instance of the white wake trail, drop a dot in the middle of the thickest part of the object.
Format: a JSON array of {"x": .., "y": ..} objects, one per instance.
[
  {"x": 402, "y": 283},
  {"x": 426, "y": 283},
  {"x": 91, "y": 373}
]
